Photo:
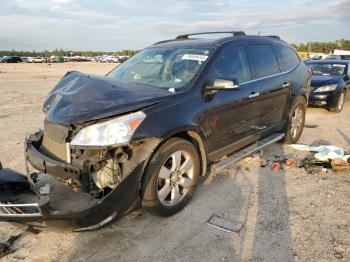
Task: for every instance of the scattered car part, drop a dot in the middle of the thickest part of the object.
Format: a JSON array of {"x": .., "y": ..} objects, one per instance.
[
  {"x": 340, "y": 165},
  {"x": 7, "y": 246},
  {"x": 225, "y": 224},
  {"x": 324, "y": 152},
  {"x": 276, "y": 167}
]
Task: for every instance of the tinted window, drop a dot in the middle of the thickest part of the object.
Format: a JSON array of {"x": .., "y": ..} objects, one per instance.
[
  {"x": 232, "y": 64},
  {"x": 287, "y": 57},
  {"x": 262, "y": 60},
  {"x": 326, "y": 68}
]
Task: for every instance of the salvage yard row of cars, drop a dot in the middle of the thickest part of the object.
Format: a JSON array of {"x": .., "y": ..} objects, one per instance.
[
  {"x": 143, "y": 134},
  {"x": 101, "y": 59}
]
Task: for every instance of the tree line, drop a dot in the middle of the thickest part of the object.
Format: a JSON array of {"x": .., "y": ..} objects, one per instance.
[
  {"x": 61, "y": 52},
  {"x": 317, "y": 47},
  {"x": 323, "y": 47}
]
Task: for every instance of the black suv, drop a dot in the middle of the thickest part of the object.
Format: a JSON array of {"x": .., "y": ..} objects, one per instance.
[{"x": 149, "y": 128}]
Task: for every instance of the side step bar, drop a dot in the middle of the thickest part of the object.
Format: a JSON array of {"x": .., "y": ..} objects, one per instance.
[
  {"x": 236, "y": 157},
  {"x": 19, "y": 210}
]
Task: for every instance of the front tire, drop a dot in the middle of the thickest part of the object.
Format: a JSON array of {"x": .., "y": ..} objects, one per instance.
[
  {"x": 296, "y": 121},
  {"x": 171, "y": 177},
  {"x": 340, "y": 104}
]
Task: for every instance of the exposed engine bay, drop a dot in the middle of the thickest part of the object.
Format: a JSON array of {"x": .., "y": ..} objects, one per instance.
[
  {"x": 88, "y": 186},
  {"x": 103, "y": 165},
  {"x": 92, "y": 170}
]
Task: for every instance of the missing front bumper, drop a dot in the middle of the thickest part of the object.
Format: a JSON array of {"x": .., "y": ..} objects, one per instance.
[
  {"x": 22, "y": 201},
  {"x": 47, "y": 198}
]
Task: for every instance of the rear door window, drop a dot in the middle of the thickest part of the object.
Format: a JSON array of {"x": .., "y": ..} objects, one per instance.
[
  {"x": 232, "y": 64},
  {"x": 287, "y": 57},
  {"x": 262, "y": 60}
]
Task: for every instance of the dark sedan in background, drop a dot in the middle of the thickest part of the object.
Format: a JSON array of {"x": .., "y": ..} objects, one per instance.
[
  {"x": 330, "y": 84},
  {"x": 10, "y": 59}
]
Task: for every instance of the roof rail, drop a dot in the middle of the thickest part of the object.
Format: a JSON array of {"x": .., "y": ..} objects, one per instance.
[
  {"x": 234, "y": 33},
  {"x": 272, "y": 36}
]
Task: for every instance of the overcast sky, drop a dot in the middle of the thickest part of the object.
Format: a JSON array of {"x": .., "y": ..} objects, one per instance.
[{"x": 112, "y": 25}]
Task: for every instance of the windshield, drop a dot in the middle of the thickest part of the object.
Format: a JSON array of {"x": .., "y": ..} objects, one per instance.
[
  {"x": 168, "y": 68},
  {"x": 327, "y": 69}
]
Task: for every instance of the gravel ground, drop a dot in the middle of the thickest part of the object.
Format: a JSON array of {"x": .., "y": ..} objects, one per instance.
[{"x": 279, "y": 216}]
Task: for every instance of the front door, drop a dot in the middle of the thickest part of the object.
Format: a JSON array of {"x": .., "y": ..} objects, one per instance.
[{"x": 231, "y": 114}]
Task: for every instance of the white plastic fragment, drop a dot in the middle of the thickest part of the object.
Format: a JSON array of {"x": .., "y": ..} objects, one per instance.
[{"x": 324, "y": 153}]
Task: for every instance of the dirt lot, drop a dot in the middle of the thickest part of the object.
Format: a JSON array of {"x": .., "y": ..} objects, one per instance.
[{"x": 284, "y": 216}]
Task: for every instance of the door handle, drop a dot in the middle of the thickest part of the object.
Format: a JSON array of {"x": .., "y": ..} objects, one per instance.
[
  {"x": 286, "y": 84},
  {"x": 252, "y": 95}
]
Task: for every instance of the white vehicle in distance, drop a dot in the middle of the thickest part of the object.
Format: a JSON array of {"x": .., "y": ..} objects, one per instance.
[
  {"x": 36, "y": 60},
  {"x": 108, "y": 59}
]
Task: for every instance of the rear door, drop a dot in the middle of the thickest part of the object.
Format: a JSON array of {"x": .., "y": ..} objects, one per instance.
[{"x": 274, "y": 86}]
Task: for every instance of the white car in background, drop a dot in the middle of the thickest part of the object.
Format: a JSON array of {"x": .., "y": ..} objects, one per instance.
[
  {"x": 35, "y": 60},
  {"x": 108, "y": 59}
]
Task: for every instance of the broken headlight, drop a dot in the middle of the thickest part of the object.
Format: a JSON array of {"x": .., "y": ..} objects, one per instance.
[
  {"x": 326, "y": 88},
  {"x": 113, "y": 132}
]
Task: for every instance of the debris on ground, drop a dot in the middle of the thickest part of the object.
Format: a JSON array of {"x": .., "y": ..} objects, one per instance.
[
  {"x": 326, "y": 157},
  {"x": 324, "y": 153},
  {"x": 225, "y": 224},
  {"x": 276, "y": 162},
  {"x": 338, "y": 255},
  {"x": 314, "y": 166},
  {"x": 7, "y": 246},
  {"x": 276, "y": 167},
  {"x": 339, "y": 165},
  {"x": 263, "y": 163},
  {"x": 291, "y": 162}
]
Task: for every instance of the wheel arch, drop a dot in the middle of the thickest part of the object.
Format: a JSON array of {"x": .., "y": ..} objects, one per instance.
[{"x": 190, "y": 134}]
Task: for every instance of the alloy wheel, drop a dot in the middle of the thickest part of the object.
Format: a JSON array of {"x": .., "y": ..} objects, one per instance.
[
  {"x": 296, "y": 122},
  {"x": 175, "y": 178},
  {"x": 341, "y": 101}
]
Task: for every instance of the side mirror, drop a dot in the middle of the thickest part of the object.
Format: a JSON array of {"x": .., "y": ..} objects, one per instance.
[{"x": 222, "y": 84}]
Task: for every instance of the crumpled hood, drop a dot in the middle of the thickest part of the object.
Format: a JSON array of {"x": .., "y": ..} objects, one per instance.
[
  {"x": 318, "y": 80},
  {"x": 80, "y": 97}
]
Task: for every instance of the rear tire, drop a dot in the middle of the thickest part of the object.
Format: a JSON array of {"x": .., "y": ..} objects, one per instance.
[
  {"x": 340, "y": 104},
  {"x": 171, "y": 177},
  {"x": 296, "y": 121}
]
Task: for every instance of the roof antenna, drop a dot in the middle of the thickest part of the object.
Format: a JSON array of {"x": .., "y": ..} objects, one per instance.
[{"x": 259, "y": 33}]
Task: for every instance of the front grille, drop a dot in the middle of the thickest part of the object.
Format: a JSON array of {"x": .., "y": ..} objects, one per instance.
[{"x": 57, "y": 132}]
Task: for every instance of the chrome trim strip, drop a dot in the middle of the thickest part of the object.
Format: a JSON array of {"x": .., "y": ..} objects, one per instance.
[
  {"x": 21, "y": 215},
  {"x": 20, "y": 205},
  {"x": 68, "y": 155},
  {"x": 265, "y": 77}
]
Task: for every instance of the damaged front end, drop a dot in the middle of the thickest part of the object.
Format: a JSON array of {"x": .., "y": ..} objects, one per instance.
[
  {"x": 86, "y": 166},
  {"x": 88, "y": 185}
]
